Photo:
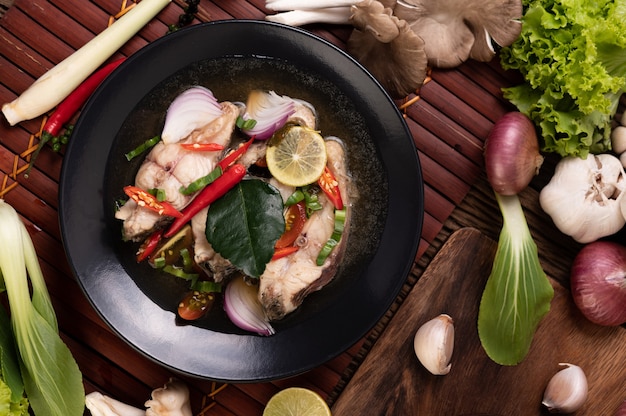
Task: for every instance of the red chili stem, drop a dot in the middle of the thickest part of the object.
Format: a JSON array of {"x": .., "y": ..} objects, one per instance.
[{"x": 231, "y": 177}]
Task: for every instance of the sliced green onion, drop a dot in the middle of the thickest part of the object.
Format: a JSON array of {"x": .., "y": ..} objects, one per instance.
[
  {"x": 200, "y": 183},
  {"x": 340, "y": 221},
  {"x": 245, "y": 124},
  {"x": 142, "y": 148},
  {"x": 311, "y": 200},
  {"x": 206, "y": 286},
  {"x": 159, "y": 262},
  {"x": 158, "y": 193},
  {"x": 187, "y": 260},
  {"x": 295, "y": 197},
  {"x": 178, "y": 272}
]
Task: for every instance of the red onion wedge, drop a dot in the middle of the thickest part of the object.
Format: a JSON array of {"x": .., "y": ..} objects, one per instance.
[
  {"x": 598, "y": 282},
  {"x": 270, "y": 111},
  {"x": 512, "y": 155},
  {"x": 192, "y": 109},
  {"x": 242, "y": 306}
]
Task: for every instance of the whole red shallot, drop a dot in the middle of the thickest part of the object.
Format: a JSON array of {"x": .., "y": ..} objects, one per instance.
[
  {"x": 512, "y": 155},
  {"x": 598, "y": 282}
]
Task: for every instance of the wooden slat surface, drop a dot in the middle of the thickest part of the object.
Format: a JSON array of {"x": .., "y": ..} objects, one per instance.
[{"x": 456, "y": 110}]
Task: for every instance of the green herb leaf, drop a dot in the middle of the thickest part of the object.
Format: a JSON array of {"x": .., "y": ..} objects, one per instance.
[
  {"x": 517, "y": 294},
  {"x": 244, "y": 225}
]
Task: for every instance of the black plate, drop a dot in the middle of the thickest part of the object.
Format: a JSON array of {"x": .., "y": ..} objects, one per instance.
[{"x": 231, "y": 57}]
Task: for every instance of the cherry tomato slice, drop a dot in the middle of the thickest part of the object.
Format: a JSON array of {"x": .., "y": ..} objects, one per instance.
[
  {"x": 330, "y": 186},
  {"x": 202, "y": 147},
  {"x": 195, "y": 304},
  {"x": 294, "y": 222},
  {"x": 145, "y": 199}
]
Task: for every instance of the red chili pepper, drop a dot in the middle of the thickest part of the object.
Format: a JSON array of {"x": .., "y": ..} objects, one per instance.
[
  {"x": 284, "y": 252},
  {"x": 70, "y": 105},
  {"x": 235, "y": 155},
  {"x": 202, "y": 147},
  {"x": 330, "y": 186},
  {"x": 145, "y": 199},
  {"x": 216, "y": 189},
  {"x": 149, "y": 246}
]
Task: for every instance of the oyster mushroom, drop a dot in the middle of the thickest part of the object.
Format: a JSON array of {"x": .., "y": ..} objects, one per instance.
[
  {"x": 455, "y": 30},
  {"x": 387, "y": 47}
]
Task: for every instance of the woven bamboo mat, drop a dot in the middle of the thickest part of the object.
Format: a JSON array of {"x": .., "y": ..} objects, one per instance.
[{"x": 449, "y": 122}]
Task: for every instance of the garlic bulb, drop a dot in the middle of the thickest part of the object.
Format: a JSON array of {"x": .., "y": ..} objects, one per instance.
[
  {"x": 434, "y": 343},
  {"x": 566, "y": 391},
  {"x": 584, "y": 197}
]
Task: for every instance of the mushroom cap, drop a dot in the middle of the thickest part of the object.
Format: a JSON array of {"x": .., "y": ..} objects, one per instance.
[
  {"x": 388, "y": 48},
  {"x": 455, "y": 30}
]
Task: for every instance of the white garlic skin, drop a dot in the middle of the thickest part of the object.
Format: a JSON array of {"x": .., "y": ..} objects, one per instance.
[
  {"x": 434, "y": 344},
  {"x": 567, "y": 390},
  {"x": 584, "y": 197}
]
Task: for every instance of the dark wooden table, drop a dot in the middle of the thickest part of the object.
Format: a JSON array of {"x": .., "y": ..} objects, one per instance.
[{"x": 449, "y": 123}]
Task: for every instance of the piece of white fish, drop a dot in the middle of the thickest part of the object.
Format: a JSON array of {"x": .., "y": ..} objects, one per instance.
[
  {"x": 170, "y": 167},
  {"x": 288, "y": 280}
]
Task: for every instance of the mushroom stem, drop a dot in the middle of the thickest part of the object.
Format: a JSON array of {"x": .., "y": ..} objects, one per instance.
[
  {"x": 331, "y": 15},
  {"x": 286, "y": 5}
]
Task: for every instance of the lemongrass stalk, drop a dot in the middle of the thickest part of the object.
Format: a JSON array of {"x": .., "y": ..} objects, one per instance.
[
  {"x": 287, "y": 5},
  {"x": 332, "y": 15},
  {"x": 57, "y": 83}
]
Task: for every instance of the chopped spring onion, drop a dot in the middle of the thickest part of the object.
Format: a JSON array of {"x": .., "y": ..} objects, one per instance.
[
  {"x": 295, "y": 197},
  {"x": 244, "y": 124},
  {"x": 340, "y": 221},
  {"x": 178, "y": 272},
  {"x": 311, "y": 200},
  {"x": 158, "y": 193},
  {"x": 52, "y": 380},
  {"x": 57, "y": 83},
  {"x": 200, "y": 183},
  {"x": 206, "y": 286},
  {"x": 142, "y": 148}
]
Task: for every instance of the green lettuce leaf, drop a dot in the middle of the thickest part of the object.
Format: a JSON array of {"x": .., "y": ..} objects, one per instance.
[
  {"x": 574, "y": 71},
  {"x": 9, "y": 361},
  {"x": 244, "y": 225},
  {"x": 8, "y": 407}
]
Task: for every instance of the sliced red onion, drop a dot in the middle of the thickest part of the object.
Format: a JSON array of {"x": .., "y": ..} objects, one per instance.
[
  {"x": 242, "y": 306},
  {"x": 194, "y": 108},
  {"x": 270, "y": 111}
]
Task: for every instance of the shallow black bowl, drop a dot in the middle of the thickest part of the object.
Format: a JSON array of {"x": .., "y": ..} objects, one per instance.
[{"x": 231, "y": 57}]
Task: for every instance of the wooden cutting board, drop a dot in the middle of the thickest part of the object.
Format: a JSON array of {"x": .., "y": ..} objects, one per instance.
[{"x": 391, "y": 381}]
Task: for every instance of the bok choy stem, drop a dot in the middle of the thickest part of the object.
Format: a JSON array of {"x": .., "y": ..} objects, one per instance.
[
  {"x": 517, "y": 294},
  {"x": 52, "y": 379}
]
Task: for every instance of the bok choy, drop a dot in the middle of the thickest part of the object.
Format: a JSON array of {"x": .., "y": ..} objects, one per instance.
[
  {"x": 51, "y": 377},
  {"x": 517, "y": 294}
]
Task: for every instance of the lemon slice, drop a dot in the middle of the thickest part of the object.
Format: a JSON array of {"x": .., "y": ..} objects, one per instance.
[
  {"x": 296, "y": 401},
  {"x": 296, "y": 155}
]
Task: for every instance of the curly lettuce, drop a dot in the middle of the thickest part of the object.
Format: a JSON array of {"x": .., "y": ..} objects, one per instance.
[{"x": 572, "y": 54}]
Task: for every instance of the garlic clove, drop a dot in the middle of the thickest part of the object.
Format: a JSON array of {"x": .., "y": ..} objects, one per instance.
[
  {"x": 434, "y": 344},
  {"x": 567, "y": 390}
]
